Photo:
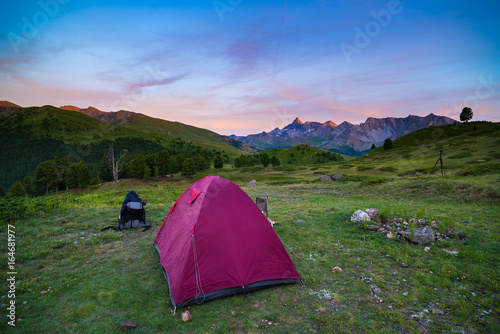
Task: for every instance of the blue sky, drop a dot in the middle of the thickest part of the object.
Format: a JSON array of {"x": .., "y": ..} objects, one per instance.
[{"x": 238, "y": 66}]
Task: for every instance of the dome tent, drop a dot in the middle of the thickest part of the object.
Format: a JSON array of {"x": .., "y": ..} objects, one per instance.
[{"x": 215, "y": 242}]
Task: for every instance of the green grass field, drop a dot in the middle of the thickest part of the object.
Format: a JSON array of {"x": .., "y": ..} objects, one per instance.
[{"x": 72, "y": 278}]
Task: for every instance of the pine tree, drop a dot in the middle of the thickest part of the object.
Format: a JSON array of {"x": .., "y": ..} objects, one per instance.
[
  {"x": 16, "y": 190},
  {"x": 388, "y": 144},
  {"x": 163, "y": 160},
  {"x": 264, "y": 159},
  {"x": 188, "y": 167},
  {"x": 218, "y": 163},
  {"x": 275, "y": 161}
]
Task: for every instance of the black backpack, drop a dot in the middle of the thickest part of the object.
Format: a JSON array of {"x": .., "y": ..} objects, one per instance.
[{"x": 132, "y": 213}]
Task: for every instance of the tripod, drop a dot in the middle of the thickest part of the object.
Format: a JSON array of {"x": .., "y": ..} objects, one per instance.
[{"x": 440, "y": 159}]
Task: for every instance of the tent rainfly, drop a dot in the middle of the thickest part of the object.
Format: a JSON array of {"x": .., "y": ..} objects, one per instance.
[{"x": 215, "y": 242}]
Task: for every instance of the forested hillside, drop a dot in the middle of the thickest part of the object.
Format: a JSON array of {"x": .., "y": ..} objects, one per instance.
[{"x": 36, "y": 134}]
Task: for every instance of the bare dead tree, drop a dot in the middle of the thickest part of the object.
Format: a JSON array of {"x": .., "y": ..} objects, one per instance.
[{"x": 117, "y": 165}]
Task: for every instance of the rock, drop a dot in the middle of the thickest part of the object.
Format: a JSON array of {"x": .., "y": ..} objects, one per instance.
[
  {"x": 421, "y": 235},
  {"x": 337, "y": 177},
  {"x": 376, "y": 290},
  {"x": 186, "y": 316},
  {"x": 423, "y": 222},
  {"x": 459, "y": 234},
  {"x": 390, "y": 235},
  {"x": 427, "y": 249},
  {"x": 359, "y": 216},
  {"x": 127, "y": 325},
  {"x": 336, "y": 270},
  {"x": 434, "y": 309},
  {"x": 43, "y": 292},
  {"x": 373, "y": 213},
  {"x": 403, "y": 265},
  {"x": 366, "y": 279},
  {"x": 300, "y": 221},
  {"x": 372, "y": 227},
  {"x": 326, "y": 178},
  {"x": 252, "y": 183}
]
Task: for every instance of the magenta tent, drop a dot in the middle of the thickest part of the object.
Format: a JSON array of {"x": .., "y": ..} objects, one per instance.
[{"x": 215, "y": 242}]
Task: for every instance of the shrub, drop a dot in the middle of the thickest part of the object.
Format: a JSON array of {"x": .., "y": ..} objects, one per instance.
[
  {"x": 492, "y": 168},
  {"x": 460, "y": 155}
]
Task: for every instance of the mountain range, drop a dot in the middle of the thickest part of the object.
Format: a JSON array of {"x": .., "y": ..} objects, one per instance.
[{"x": 345, "y": 138}]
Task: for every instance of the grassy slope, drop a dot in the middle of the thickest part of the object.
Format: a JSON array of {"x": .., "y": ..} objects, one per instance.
[
  {"x": 96, "y": 280},
  {"x": 464, "y": 145}
]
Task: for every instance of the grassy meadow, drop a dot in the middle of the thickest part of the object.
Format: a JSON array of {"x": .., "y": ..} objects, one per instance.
[{"x": 72, "y": 278}]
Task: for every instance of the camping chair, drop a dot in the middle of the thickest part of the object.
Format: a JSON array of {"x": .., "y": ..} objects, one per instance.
[{"x": 262, "y": 204}]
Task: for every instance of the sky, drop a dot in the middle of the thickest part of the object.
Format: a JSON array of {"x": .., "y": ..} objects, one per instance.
[{"x": 242, "y": 67}]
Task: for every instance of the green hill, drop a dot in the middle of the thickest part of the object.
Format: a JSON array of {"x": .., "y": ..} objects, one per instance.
[
  {"x": 35, "y": 134},
  {"x": 464, "y": 145}
]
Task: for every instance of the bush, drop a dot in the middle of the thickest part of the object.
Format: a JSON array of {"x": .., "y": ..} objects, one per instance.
[
  {"x": 460, "y": 155},
  {"x": 363, "y": 168},
  {"x": 492, "y": 168},
  {"x": 388, "y": 169}
]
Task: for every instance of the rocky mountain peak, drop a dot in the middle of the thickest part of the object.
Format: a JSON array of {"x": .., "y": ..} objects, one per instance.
[{"x": 297, "y": 121}]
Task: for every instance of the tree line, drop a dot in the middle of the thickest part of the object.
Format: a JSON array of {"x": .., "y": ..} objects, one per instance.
[{"x": 66, "y": 173}]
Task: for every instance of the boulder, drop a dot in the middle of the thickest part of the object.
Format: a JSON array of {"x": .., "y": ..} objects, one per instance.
[
  {"x": 372, "y": 227},
  {"x": 373, "y": 213},
  {"x": 421, "y": 235},
  {"x": 326, "y": 178},
  {"x": 359, "y": 216},
  {"x": 337, "y": 177},
  {"x": 252, "y": 183}
]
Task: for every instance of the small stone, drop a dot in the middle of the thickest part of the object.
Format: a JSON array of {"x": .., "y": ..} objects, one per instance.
[
  {"x": 336, "y": 270},
  {"x": 300, "y": 221},
  {"x": 186, "y": 316},
  {"x": 366, "y": 279},
  {"x": 26, "y": 302},
  {"x": 372, "y": 227},
  {"x": 337, "y": 177},
  {"x": 127, "y": 325},
  {"x": 427, "y": 249},
  {"x": 403, "y": 264},
  {"x": 405, "y": 294},
  {"x": 376, "y": 290},
  {"x": 434, "y": 309},
  {"x": 390, "y": 235},
  {"x": 326, "y": 178},
  {"x": 252, "y": 183},
  {"x": 43, "y": 292}
]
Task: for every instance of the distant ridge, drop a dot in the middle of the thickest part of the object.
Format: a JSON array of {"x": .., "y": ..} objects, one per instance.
[
  {"x": 9, "y": 104},
  {"x": 345, "y": 138}
]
